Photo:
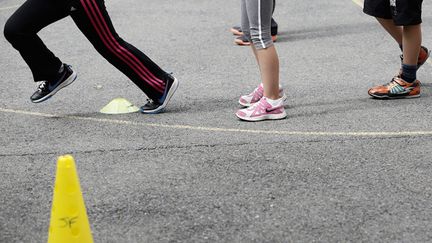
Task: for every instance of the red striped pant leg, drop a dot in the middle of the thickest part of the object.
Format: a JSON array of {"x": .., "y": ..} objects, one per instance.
[{"x": 93, "y": 20}]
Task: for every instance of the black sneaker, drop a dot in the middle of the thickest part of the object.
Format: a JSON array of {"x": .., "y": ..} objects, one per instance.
[
  {"x": 157, "y": 106},
  {"x": 47, "y": 89}
]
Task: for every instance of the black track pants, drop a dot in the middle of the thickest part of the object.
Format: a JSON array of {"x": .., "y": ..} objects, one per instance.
[{"x": 94, "y": 22}]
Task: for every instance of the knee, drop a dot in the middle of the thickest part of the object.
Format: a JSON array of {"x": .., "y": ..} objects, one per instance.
[
  {"x": 15, "y": 31},
  {"x": 10, "y": 31}
]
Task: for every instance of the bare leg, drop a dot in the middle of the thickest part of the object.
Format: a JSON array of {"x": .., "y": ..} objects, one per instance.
[
  {"x": 395, "y": 31},
  {"x": 268, "y": 62},
  {"x": 412, "y": 38}
]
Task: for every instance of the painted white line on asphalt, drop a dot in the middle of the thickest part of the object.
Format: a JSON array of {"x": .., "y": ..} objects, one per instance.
[
  {"x": 358, "y": 2},
  {"x": 221, "y": 129},
  {"x": 10, "y": 7}
]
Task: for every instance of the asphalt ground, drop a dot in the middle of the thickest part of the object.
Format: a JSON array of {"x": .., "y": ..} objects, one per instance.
[{"x": 342, "y": 167}]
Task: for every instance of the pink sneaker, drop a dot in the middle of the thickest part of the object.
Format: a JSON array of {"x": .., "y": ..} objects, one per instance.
[
  {"x": 256, "y": 95},
  {"x": 262, "y": 110}
]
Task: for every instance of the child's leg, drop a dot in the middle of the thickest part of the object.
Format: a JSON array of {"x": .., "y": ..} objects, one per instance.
[
  {"x": 21, "y": 31},
  {"x": 392, "y": 29},
  {"x": 403, "y": 36},
  {"x": 256, "y": 21},
  {"x": 393, "y": 17},
  {"x": 405, "y": 13},
  {"x": 259, "y": 14},
  {"x": 412, "y": 39},
  {"x": 93, "y": 20},
  {"x": 381, "y": 10},
  {"x": 268, "y": 62},
  {"x": 243, "y": 41}
]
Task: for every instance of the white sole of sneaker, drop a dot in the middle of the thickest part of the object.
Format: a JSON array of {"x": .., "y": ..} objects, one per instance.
[
  {"x": 265, "y": 117},
  {"x": 394, "y": 98},
  {"x": 66, "y": 83},
  {"x": 250, "y": 104},
  {"x": 167, "y": 99}
]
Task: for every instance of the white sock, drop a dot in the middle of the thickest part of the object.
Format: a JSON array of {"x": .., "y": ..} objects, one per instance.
[
  {"x": 278, "y": 102},
  {"x": 262, "y": 85}
]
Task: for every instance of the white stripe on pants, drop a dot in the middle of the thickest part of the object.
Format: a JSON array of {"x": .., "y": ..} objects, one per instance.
[{"x": 256, "y": 22}]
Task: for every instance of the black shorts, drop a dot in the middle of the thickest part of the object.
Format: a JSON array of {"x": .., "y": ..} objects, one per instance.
[{"x": 403, "y": 12}]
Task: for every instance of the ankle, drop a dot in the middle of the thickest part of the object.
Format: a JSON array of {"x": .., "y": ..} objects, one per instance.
[
  {"x": 409, "y": 73},
  {"x": 275, "y": 102},
  {"x": 273, "y": 97}
]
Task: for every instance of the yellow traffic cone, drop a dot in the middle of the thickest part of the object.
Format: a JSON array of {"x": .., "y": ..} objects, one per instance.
[
  {"x": 69, "y": 222},
  {"x": 119, "y": 106}
]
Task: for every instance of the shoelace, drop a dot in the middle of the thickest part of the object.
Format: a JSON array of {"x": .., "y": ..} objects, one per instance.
[
  {"x": 261, "y": 107},
  {"x": 152, "y": 101},
  {"x": 393, "y": 83},
  {"x": 258, "y": 106},
  {"x": 42, "y": 85},
  {"x": 259, "y": 92}
]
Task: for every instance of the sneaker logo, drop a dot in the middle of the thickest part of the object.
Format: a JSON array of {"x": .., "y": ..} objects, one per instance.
[
  {"x": 51, "y": 86},
  {"x": 400, "y": 90},
  {"x": 73, "y": 9},
  {"x": 273, "y": 108}
]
